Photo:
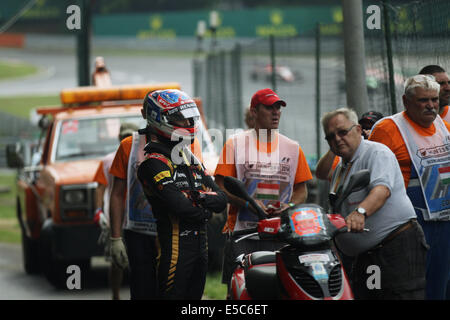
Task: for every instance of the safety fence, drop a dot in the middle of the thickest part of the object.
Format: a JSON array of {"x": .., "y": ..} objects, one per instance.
[{"x": 308, "y": 72}]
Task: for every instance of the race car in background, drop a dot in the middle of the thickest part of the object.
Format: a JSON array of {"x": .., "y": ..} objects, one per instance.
[{"x": 282, "y": 73}]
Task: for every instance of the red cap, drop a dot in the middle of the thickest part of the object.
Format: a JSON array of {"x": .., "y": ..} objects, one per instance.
[{"x": 266, "y": 97}]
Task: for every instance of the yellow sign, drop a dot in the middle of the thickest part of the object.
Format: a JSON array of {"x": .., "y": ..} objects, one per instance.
[
  {"x": 41, "y": 10},
  {"x": 406, "y": 24},
  {"x": 331, "y": 29},
  {"x": 156, "y": 22},
  {"x": 276, "y": 18},
  {"x": 156, "y": 30},
  {"x": 276, "y": 28},
  {"x": 338, "y": 16}
]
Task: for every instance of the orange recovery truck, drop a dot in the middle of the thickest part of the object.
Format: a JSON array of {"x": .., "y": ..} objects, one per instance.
[{"x": 56, "y": 191}]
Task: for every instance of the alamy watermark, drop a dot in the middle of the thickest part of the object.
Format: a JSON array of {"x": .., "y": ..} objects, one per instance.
[
  {"x": 373, "y": 21},
  {"x": 73, "y": 281},
  {"x": 73, "y": 21},
  {"x": 242, "y": 150},
  {"x": 374, "y": 280}
]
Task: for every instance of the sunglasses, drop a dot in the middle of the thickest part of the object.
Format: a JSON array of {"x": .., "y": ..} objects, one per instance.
[{"x": 341, "y": 133}]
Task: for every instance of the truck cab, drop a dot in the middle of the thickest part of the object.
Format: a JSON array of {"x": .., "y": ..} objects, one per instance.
[{"x": 56, "y": 191}]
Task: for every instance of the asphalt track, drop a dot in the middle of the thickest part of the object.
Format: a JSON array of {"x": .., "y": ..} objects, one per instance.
[
  {"x": 15, "y": 284},
  {"x": 58, "y": 70}
]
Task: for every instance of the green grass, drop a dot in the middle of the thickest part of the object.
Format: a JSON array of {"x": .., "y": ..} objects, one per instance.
[
  {"x": 10, "y": 233},
  {"x": 214, "y": 288},
  {"x": 7, "y": 199},
  {"x": 9, "y": 226},
  {"x": 155, "y": 52},
  {"x": 22, "y": 105},
  {"x": 15, "y": 69}
]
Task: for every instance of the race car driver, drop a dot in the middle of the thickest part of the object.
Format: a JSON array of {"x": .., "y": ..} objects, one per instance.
[{"x": 181, "y": 194}]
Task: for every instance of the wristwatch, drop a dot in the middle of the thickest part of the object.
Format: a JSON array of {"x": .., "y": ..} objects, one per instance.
[{"x": 361, "y": 211}]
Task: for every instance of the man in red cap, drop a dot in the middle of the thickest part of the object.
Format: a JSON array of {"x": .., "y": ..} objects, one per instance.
[{"x": 273, "y": 169}]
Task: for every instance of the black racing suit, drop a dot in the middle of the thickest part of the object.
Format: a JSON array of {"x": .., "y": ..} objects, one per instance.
[{"x": 182, "y": 208}]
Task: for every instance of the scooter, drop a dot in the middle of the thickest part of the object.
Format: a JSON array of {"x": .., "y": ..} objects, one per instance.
[{"x": 307, "y": 267}]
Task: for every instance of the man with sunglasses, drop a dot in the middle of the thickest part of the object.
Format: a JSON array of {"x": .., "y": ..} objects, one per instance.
[
  {"x": 420, "y": 141},
  {"x": 394, "y": 242},
  {"x": 328, "y": 162}
]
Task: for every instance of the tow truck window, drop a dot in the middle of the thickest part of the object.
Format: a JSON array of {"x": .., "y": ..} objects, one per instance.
[{"x": 90, "y": 138}]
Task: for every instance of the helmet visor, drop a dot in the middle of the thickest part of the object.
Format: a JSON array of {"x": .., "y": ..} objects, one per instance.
[{"x": 183, "y": 118}]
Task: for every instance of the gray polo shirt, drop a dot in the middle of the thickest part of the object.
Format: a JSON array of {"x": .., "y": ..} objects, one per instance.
[{"x": 384, "y": 170}]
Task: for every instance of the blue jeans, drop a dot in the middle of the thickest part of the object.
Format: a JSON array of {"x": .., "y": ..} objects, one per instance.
[{"x": 437, "y": 235}]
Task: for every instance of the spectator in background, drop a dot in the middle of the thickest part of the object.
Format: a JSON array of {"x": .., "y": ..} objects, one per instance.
[
  {"x": 273, "y": 169},
  {"x": 420, "y": 140},
  {"x": 103, "y": 194},
  {"x": 444, "y": 93},
  {"x": 101, "y": 77}
]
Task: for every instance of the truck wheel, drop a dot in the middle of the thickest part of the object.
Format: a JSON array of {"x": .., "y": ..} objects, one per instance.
[
  {"x": 51, "y": 267},
  {"x": 55, "y": 270},
  {"x": 56, "y": 274},
  {"x": 30, "y": 255}
]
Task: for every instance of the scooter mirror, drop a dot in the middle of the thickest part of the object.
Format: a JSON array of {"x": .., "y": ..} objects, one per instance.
[
  {"x": 358, "y": 181},
  {"x": 237, "y": 188}
]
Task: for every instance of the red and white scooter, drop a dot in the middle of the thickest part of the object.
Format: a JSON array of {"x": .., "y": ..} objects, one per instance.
[{"x": 308, "y": 267}]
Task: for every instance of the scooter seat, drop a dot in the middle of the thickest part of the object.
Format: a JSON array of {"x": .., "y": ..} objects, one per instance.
[
  {"x": 262, "y": 257},
  {"x": 262, "y": 282}
]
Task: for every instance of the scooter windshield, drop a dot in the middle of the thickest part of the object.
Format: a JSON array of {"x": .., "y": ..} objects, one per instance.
[{"x": 305, "y": 225}]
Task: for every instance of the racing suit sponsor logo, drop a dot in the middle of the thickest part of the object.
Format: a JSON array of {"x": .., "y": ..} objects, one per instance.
[{"x": 162, "y": 175}]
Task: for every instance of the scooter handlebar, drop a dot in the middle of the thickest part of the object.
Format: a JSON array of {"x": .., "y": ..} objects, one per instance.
[
  {"x": 242, "y": 232},
  {"x": 339, "y": 222}
]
